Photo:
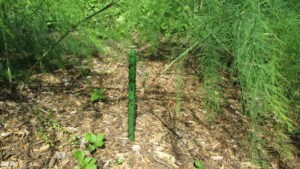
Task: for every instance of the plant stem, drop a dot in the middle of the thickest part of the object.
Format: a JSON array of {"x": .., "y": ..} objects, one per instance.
[{"x": 184, "y": 53}]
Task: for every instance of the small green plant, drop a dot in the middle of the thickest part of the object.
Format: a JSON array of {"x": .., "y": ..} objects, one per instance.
[
  {"x": 84, "y": 162},
  {"x": 45, "y": 136},
  {"x": 97, "y": 94},
  {"x": 120, "y": 161},
  {"x": 199, "y": 165},
  {"x": 95, "y": 141}
]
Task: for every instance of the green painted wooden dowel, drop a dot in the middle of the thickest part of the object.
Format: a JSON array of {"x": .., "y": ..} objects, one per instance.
[{"x": 131, "y": 95}]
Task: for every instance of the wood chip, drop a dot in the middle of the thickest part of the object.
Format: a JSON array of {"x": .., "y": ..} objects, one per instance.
[
  {"x": 136, "y": 147},
  {"x": 8, "y": 164},
  {"x": 217, "y": 158}
]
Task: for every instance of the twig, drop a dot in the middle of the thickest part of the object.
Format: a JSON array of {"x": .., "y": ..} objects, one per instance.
[
  {"x": 167, "y": 125},
  {"x": 218, "y": 40},
  {"x": 184, "y": 53},
  {"x": 60, "y": 39}
]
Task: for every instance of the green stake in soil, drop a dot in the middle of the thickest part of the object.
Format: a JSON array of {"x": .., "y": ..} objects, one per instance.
[{"x": 131, "y": 94}]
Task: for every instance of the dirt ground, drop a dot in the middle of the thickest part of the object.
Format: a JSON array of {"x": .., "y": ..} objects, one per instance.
[{"x": 42, "y": 125}]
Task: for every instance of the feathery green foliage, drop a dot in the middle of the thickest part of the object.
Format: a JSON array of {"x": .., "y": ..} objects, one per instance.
[
  {"x": 32, "y": 27},
  {"x": 259, "y": 57},
  {"x": 256, "y": 41},
  {"x": 7, "y": 74}
]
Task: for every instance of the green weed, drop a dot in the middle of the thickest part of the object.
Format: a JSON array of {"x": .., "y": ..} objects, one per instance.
[
  {"x": 119, "y": 161},
  {"x": 199, "y": 165},
  {"x": 96, "y": 141},
  {"x": 48, "y": 124},
  {"x": 84, "y": 162},
  {"x": 97, "y": 94}
]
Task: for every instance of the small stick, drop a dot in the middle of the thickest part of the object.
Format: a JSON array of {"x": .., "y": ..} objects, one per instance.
[{"x": 184, "y": 53}]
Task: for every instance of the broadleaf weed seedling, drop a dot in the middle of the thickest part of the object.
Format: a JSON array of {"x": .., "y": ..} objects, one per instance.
[
  {"x": 84, "y": 162},
  {"x": 97, "y": 94},
  {"x": 199, "y": 165},
  {"x": 119, "y": 161},
  {"x": 96, "y": 141}
]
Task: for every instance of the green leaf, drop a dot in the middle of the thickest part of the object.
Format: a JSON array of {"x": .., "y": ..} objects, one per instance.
[
  {"x": 90, "y": 166},
  {"x": 77, "y": 167},
  {"x": 199, "y": 164},
  {"x": 79, "y": 155},
  {"x": 9, "y": 74},
  {"x": 99, "y": 142},
  {"x": 86, "y": 161},
  {"x": 120, "y": 161},
  {"x": 93, "y": 161},
  {"x": 91, "y": 138},
  {"x": 91, "y": 148},
  {"x": 91, "y": 90},
  {"x": 100, "y": 91},
  {"x": 94, "y": 97},
  {"x": 97, "y": 94}
]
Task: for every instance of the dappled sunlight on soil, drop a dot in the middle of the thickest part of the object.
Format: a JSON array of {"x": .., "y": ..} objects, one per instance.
[{"x": 46, "y": 123}]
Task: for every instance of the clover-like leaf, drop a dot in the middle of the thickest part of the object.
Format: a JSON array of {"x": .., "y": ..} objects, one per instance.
[
  {"x": 199, "y": 164},
  {"x": 94, "y": 97},
  {"x": 91, "y": 138},
  {"x": 100, "y": 92},
  {"x": 100, "y": 140},
  {"x": 93, "y": 161},
  {"x": 91, "y": 148},
  {"x": 90, "y": 166},
  {"x": 97, "y": 94},
  {"x": 86, "y": 161},
  {"x": 79, "y": 155},
  {"x": 120, "y": 161}
]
